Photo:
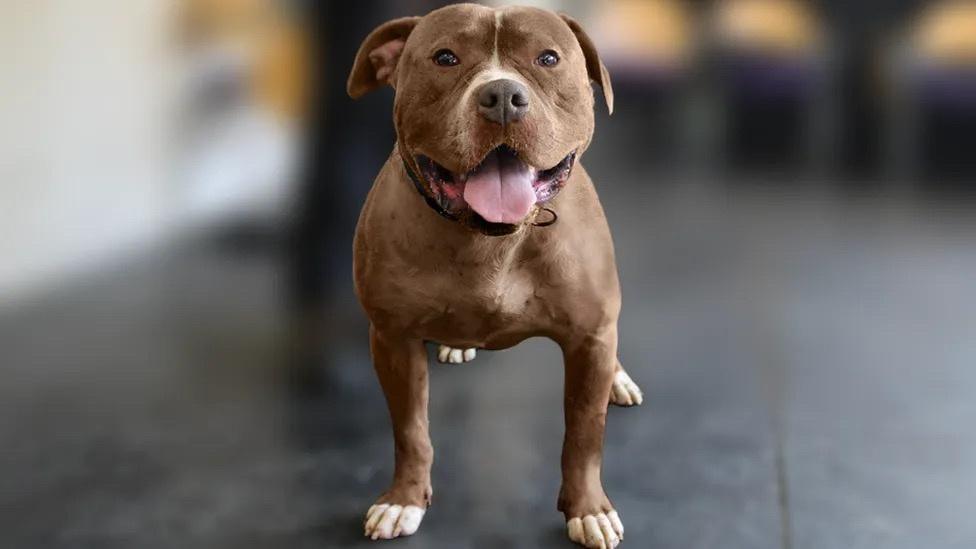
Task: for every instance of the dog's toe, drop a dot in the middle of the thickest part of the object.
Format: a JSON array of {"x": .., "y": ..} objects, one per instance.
[
  {"x": 443, "y": 351},
  {"x": 386, "y": 521},
  {"x": 625, "y": 392},
  {"x": 451, "y": 355},
  {"x": 456, "y": 356},
  {"x": 600, "y": 531}
]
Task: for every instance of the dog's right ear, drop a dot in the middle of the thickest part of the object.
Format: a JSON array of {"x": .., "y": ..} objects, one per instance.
[
  {"x": 378, "y": 55},
  {"x": 594, "y": 67}
]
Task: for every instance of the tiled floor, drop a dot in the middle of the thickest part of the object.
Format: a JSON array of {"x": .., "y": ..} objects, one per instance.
[{"x": 808, "y": 357}]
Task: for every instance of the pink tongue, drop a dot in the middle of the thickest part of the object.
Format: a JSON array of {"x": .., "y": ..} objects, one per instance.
[{"x": 501, "y": 190}]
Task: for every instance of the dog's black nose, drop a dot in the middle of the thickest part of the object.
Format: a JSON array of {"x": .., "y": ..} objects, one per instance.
[{"x": 503, "y": 101}]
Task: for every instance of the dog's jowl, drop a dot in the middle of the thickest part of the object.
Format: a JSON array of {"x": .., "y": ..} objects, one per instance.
[{"x": 482, "y": 229}]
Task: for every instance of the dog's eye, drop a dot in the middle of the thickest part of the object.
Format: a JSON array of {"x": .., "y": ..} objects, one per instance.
[
  {"x": 548, "y": 58},
  {"x": 446, "y": 58}
]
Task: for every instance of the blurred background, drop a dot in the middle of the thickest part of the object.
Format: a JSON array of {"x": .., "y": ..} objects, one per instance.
[{"x": 183, "y": 364}]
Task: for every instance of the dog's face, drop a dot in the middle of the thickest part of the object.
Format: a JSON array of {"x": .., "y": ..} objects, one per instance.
[{"x": 493, "y": 106}]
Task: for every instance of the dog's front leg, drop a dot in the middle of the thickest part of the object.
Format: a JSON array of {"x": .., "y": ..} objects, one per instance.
[
  {"x": 590, "y": 363},
  {"x": 401, "y": 365}
]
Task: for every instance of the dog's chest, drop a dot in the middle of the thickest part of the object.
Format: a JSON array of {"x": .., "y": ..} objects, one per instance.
[
  {"x": 482, "y": 292},
  {"x": 457, "y": 304},
  {"x": 490, "y": 295}
]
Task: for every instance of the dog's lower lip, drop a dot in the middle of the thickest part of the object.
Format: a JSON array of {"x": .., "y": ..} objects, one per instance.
[{"x": 554, "y": 171}]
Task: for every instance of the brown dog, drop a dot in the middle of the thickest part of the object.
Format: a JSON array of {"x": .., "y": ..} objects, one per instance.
[{"x": 483, "y": 230}]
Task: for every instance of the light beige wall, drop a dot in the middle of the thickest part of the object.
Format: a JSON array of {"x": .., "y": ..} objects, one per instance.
[{"x": 83, "y": 118}]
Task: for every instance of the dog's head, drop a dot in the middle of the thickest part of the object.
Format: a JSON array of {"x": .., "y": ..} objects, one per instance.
[{"x": 493, "y": 106}]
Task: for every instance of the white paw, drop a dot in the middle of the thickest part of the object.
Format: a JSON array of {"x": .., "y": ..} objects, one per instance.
[
  {"x": 386, "y": 521},
  {"x": 455, "y": 356},
  {"x": 625, "y": 392},
  {"x": 603, "y": 531}
]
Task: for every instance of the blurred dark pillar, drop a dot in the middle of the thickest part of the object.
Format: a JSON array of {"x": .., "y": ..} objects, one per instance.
[
  {"x": 769, "y": 103},
  {"x": 860, "y": 27},
  {"x": 344, "y": 142},
  {"x": 946, "y": 138}
]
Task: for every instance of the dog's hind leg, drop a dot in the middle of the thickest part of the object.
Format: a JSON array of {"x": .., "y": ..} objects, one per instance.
[
  {"x": 401, "y": 366},
  {"x": 625, "y": 392}
]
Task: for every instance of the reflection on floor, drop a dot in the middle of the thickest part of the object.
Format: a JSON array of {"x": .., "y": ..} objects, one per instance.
[{"x": 806, "y": 356}]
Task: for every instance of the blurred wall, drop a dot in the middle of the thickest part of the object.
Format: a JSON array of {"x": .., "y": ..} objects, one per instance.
[{"x": 86, "y": 97}]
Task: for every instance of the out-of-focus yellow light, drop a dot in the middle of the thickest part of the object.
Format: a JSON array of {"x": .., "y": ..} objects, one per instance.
[
  {"x": 772, "y": 27},
  {"x": 946, "y": 33},
  {"x": 657, "y": 31}
]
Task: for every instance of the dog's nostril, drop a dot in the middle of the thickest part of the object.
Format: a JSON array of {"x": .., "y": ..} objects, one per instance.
[
  {"x": 489, "y": 100},
  {"x": 519, "y": 100}
]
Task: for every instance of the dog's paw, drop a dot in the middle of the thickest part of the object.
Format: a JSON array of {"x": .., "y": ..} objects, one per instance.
[
  {"x": 447, "y": 354},
  {"x": 388, "y": 521},
  {"x": 625, "y": 392},
  {"x": 602, "y": 531}
]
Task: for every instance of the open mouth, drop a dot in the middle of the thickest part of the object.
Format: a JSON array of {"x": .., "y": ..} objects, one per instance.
[{"x": 503, "y": 189}]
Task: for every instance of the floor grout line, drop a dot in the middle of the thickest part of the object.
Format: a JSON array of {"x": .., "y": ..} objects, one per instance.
[
  {"x": 783, "y": 499},
  {"x": 772, "y": 370}
]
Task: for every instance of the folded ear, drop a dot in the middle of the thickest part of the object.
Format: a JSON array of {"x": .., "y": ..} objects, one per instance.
[
  {"x": 378, "y": 55},
  {"x": 594, "y": 67}
]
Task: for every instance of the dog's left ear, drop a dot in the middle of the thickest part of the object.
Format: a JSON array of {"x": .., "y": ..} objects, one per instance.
[
  {"x": 378, "y": 56},
  {"x": 594, "y": 67}
]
